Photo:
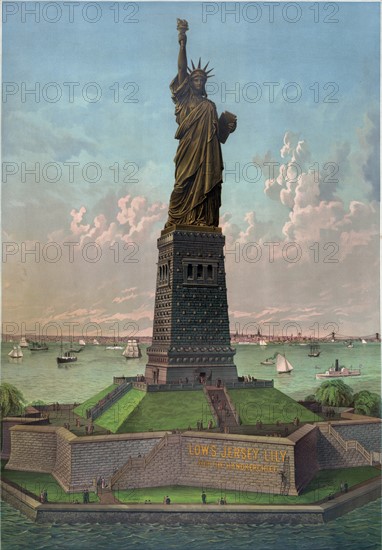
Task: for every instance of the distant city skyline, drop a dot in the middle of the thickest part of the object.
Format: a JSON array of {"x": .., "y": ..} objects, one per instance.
[{"x": 86, "y": 185}]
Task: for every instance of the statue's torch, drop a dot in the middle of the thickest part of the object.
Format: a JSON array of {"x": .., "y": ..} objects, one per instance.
[{"x": 182, "y": 28}]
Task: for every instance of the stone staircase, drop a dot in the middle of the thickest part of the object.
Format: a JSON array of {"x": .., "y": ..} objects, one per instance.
[
  {"x": 106, "y": 496},
  {"x": 335, "y": 451},
  {"x": 140, "y": 467},
  {"x": 222, "y": 407}
]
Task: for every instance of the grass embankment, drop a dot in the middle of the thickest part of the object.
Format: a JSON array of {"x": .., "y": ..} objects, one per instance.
[
  {"x": 35, "y": 482},
  {"x": 325, "y": 483},
  {"x": 269, "y": 406},
  {"x": 117, "y": 414},
  {"x": 81, "y": 409},
  {"x": 168, "y": 411}
]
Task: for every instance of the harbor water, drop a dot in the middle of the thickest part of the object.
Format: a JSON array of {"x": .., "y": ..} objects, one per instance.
[
  {"x": 39, "y": 378},
  {"x": 358, "y": 530}
]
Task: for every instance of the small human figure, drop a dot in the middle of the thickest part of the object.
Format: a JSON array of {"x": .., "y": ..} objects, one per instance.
[
  {"x": 45, "y": 496},
  {"x": 168, "y": 500},
  {"x": 346, "y": 487},
  {"x": 103, "y": 483},
  {"x": 204, "y": 497},
  {"x": 342, "y": 487},
  {"x": 222, "y": 500}
]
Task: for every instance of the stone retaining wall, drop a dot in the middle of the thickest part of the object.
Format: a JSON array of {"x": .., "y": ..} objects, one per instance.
[
  {"x": 244, "y": 463},
  {"x": 368, "y": 435},
  {"x": 306, "y": 461},
  {"x": 102, "y": 456},
  {"x": 33, "y": 448}
]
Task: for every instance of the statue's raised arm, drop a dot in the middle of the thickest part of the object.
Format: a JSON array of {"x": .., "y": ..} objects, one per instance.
[
  {"x": 195, "y": 199},
  {"x": 182, "y": 27}
]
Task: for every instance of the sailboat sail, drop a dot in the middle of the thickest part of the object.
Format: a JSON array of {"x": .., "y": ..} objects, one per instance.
[
  {"x": 282, "y": 364},
  {"x": 132, "y": 350},
  {"x": 16, "y": 352}
]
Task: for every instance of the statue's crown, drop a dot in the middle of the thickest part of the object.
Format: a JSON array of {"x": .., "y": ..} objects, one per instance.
[{"x": 198, "y": 71}]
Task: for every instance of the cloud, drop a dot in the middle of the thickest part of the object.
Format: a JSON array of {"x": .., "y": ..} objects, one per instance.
[{"x": 369, "y": 137}]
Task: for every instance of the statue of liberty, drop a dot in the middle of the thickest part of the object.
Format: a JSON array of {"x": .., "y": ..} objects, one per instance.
[{"x": 196, "y": 197}]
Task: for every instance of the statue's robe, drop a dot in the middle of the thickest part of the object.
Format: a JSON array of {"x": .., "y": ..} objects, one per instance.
[{"x": 196, "y": 197}]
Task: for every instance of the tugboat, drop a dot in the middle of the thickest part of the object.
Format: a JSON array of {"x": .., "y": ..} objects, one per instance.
[
  {"x": 67, "y": 357},
  {"x": 314, "y": 350},
  {"x": 39, "y": 346},
  {"x": 132, "y": 350},
  {"x": 268, "y": 361},
  {"x": 114, "y": 346},
  {"x": 339, "y": 372}
]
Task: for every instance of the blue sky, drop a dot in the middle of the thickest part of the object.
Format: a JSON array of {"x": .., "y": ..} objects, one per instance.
[{"x": 308, "y": 53}]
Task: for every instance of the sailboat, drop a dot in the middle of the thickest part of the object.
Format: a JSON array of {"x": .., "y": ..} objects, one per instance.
[
  {"x": 263, "y": 343},
  {"x": 314, "y": 350},
  {"x": 282, "y": 365},
  {"x": 82, "y": 342},
  {"x": 16, "y": 353},
  {"x": 67, "y": 357},
  {"x": 363, "y": 341},
  {"x": 23, "y": 342},
  {"x": 132, "y": 350},
  {"x": 95, "y": 342}
]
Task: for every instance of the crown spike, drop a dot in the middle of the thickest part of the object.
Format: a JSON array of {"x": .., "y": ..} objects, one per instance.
[
  {"x": 206, "y": 66},
  {"x": 209, "y": 76},
  {"x": 200, "y": 63},
  {"x": 208, "y": 72},
  {"x": 188, "y": 69},
  {"x": 193, "y": 66}
]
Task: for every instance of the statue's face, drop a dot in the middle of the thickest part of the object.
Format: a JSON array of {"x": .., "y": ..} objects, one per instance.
[{"x": 197, "y": 83}]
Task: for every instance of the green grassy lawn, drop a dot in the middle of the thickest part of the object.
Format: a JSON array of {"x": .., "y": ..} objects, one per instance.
[
  {"x": 269, "y": 405},
  {"x": 325, "y": 483},
  {"x": 35, "y": 482},
  {"x": 168, "y": 411},
  {"x": 114, "y": 417},
  {"x": 81, "y": 409}
]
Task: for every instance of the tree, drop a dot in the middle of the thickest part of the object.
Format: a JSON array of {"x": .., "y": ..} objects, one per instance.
[
  {"x": 11, "y": 400},
  {"x": 367, "y": 403},
  {"x": 310, "y": 397},
  {"x": 334, "y": 393}
]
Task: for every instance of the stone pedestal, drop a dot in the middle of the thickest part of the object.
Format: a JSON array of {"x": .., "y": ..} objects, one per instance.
[{"x": 191, "y": 340}]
